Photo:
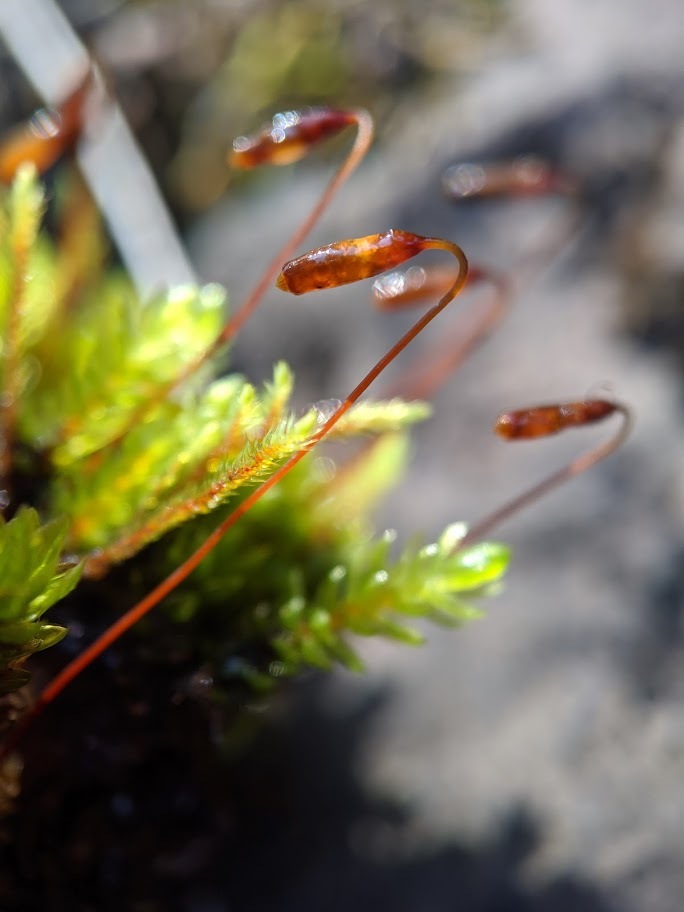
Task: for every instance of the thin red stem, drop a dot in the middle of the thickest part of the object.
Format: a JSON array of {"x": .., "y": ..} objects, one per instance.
[
  {"x": 362, "y": 143},
  {"x": 576, "y": 467},
  {"x": 358, "y": 151},
  {"x": 431, "y": 369},
  {"x": 523, "y": 179},
  {"x": 423, "y": 378},
  {"x": 139, "y": 610}
]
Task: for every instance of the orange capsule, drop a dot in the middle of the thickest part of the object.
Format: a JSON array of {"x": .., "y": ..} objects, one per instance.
[
  {"x": 289, "y": 137},
  {"x": 349, "y": 261},
  {"x": 544, "y": 420},
  {"x": 48, "y": 134}
]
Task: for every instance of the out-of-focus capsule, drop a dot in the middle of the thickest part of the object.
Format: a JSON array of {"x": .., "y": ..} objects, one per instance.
[
  {"x": 544, "y": 420},
  {"x": 289, "y": 137},
  {"x": 526, "y": 176},
  {"x": 46, "y": 136}
]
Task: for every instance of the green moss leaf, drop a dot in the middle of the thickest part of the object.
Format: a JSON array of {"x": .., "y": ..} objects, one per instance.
[
  {"x": 369, "y": 594},
  {"x": 128, "y": 448},
  {"x": 31, "y": 580},
  {"x": 114, "y": 356}
]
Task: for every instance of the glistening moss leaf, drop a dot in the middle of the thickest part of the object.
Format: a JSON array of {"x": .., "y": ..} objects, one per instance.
[
  {"x": 371, "y": 594},
  {"x": 30, "y": 636},
  {"x": 31, "y": 581},
  {"x": 113, "y": 356},
  {"x": 58, "y": 587},
  {"x": 30, "y": 578}
]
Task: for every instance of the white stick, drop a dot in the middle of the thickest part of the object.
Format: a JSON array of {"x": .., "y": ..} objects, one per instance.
[{"x": 52, "y": 57}]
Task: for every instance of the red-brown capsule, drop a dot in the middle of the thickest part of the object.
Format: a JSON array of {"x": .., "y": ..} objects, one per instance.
[
  {"x": 525, "y": 176},
  {"x": 289, "y": 137},
  {"x": 349, "y": 261},
  {"x": 544, "y": 420},
  {"x": 48, "y": 134}
]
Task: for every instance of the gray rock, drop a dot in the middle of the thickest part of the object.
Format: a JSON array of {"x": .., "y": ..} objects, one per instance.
[{"x": 566, "y": 701}]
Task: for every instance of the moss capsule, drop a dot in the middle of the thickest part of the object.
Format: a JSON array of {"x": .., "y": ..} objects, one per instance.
[
  {"x": 349, "y": 261},
  {"x": 289, "y": 137},
  {"x": 545, "y": 420}
]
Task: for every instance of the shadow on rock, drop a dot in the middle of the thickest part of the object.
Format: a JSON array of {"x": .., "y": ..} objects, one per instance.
[{"x": 160, "y": 822}]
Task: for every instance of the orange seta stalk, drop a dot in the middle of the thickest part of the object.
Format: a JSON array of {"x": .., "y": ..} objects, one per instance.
[
  {"x": 542, "y": 421},
  {"x": 525, "y": 177},
  {"x": 300, "y": 131},
  {"x": 342, "y": 263},
  {"x": 289, "y": 138},
  {"x": 422, "y": 379}
]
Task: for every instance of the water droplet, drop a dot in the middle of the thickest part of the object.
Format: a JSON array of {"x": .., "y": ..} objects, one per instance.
[
  {"x": 389, "y": 536},
  {"x": 429, "y": 551},
  {"x": 242, "y": 143},
  {"x": 390, "y": 286},
  {"x": 285, "y": 119},
  {"x": 415, "y": 277},
  {"x": 529, "y": 170},
  {"x": 451, "y": 536},
  {"x": 325, "y": 409},
  {"x": 211, "y": 296},
  {"x": 46, "y": 123},
  {"x": 398, "y": 283},
  {"x": 380, "y": 577},
  {"x": 337, "y": 574},
  {"x": 292, "y": 609},
  {"x": 474, "y": 558},
  {"x": 464, "y": 180}
]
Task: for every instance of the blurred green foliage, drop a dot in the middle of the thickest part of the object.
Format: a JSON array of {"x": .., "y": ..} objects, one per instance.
[{"x": 193, "y": 76}]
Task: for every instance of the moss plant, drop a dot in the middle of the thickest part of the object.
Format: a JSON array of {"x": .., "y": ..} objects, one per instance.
[
  {"x": 90, "y": 485},
  {"x": 127, "y": 461}
]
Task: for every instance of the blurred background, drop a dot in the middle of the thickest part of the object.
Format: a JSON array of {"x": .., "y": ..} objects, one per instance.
[{"x": 535, "y": 760}]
